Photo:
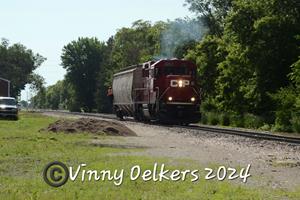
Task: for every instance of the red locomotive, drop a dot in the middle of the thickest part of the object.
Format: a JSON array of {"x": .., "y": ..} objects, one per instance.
[{"x": 165, "y": 90}]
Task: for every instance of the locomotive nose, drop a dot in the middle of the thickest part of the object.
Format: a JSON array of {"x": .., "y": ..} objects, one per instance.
[
  {"x": 180, "y": 83},
  {"x": 181, "y": 90}
]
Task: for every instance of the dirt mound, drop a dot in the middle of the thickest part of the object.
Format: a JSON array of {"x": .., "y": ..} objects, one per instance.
[{"x": 88, "y": 125}]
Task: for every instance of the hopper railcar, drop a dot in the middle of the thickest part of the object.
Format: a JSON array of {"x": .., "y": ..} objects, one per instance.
[{"x": 165, "y": 90}]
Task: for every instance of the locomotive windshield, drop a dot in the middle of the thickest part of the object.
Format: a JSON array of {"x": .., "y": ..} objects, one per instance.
[
  {"x": 175, "y": 71},
  {"x": 172, "y": 70}
]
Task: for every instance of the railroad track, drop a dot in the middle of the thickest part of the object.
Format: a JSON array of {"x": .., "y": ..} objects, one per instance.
[
  {"x": 243, "y": 133},
  {"x": 246, "y": 133}
]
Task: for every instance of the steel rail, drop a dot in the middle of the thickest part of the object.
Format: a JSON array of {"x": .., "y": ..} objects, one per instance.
[{"x": 245, "y": 133}]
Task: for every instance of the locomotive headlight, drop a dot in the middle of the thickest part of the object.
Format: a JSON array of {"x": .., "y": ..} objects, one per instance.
[
  {"x": 170, "y": 98},
  {"x": 180, "y": 83},
  {"x": 193, "y": 99}
]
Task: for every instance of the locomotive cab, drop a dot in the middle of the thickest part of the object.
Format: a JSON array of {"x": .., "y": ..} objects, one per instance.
[{"x": 179, "y": 98}]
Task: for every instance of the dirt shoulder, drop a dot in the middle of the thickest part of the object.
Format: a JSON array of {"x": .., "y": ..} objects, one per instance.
[{"x": 273, "y": 164}]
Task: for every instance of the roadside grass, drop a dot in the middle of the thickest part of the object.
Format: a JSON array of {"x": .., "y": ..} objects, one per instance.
[
  {"x": 248, "y": 121},
  {"x": 25, "y": 152}
]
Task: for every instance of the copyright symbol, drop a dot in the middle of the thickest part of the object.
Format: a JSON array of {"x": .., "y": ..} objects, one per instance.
[{"x": 56, "y": 174}]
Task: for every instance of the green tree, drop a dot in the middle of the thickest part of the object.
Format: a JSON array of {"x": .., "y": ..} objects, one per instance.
[
  {"x": 39, "y": 100},
  {"x": 103, "y": 103},
  {"x": 262, "y": 45},
  {"x": 212, "y": 13},
  {"x": 183, "y": 49},
  {"x": 207, "y": 55},
  {"x": 59, "y": 96},
  {"x": 295, "y": 74},
  {"x": 136, "y": 44},
  {"x": 38, "y": 86},
  {"x": 83, "y": 60},
  {"x": 17, "y": 64},
  {"x": 249, "y": 61}
]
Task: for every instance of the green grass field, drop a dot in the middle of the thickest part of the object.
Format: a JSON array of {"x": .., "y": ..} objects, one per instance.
[{"x": 25, "y": 152}]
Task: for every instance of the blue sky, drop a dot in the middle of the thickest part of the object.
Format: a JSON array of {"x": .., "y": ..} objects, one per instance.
[{"x": 46, "y": 26}]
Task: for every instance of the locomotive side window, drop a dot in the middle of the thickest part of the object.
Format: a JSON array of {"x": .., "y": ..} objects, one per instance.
[{"x": 156, "y": 72}]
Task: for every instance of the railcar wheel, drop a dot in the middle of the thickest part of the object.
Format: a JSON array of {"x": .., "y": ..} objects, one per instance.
[
  {"x": 139, "y": 116},
  {"x": 120, "y": 115},
  {"x": 184, "y": 124}
]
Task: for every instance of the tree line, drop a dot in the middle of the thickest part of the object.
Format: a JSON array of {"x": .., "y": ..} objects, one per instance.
[
  {"x": 17, "y": 64},
  {"x": 247, "y": 54},
  {"x": 249, "y": 63}
]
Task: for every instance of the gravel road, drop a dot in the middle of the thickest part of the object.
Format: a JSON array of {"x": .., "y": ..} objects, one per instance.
[{"x": 273, "y": 164}]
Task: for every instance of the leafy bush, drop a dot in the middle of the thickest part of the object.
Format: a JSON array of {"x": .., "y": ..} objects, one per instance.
[
  {"x": 225, "y": 119},
  {"x": 295, "y": 121},
  {"x": 265, "y": 127},
  {"x": 203, "y": 118},
  {"x": 213, "y": 118},
  {"x": 252, "y": 121},
  {"x": 209, "y": 105},
  {"x": 282, "y": 122},
  {"x": 286, "y": 101},
  {"x": 236, "y": 120}
]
